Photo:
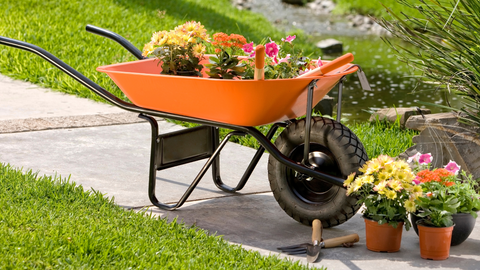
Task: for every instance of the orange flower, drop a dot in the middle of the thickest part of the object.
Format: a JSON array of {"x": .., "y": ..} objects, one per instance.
[
  {"x": 442, "y": 172},
  {"x": 427, "y": 176}
]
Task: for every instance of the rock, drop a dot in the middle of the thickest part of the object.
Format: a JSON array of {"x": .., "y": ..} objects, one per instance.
[
  {"x": 446, "y": 140},
  {"x": 294, "y": 2},
  {"x": 325, "y": 106},
  {"x": 242, "y": 4},
  {"x": 420, "y": 123},
  {"x": 391, "y": 114},
  {"x": 321, "y": 6},
  {"x": 330, "y": 46}
]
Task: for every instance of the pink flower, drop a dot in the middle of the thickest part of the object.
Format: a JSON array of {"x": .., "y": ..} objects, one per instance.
[
  {"x": 414, "y": 158},
  {"x": 452, "y": 167},
  {"x": 248, "y": 48},
  {"x": 319, "y": 62},
  {"x": 252, "y": 55},
  {"x": 289, "y": 39},
  {"x": 271, "y": 49},
  {"x": 416, "y": 181},
  {"x": 425, "y": 158},
  {"x": 284, "y": 59}
]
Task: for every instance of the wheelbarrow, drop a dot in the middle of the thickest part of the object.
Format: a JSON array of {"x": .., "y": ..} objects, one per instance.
[{"x": 308, "y": 162}]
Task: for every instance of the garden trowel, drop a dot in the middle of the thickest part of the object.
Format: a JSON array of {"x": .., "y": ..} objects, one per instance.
[{"x": 313, "y": 249}]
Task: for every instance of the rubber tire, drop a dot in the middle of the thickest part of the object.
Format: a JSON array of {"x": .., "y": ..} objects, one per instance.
[{"x": 343, "y": 146}]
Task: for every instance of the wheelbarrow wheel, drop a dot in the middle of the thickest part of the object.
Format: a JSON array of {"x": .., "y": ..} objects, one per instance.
[{"x": 335, "y": 150}]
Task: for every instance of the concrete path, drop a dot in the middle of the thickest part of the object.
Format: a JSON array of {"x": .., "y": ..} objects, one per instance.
[{"x": 107, "y": 149}]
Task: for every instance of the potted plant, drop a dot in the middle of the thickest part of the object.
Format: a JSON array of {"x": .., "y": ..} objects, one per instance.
[
  {"x": 179, "y": 51},
  {"x": 386, "y": 188},
  {"x": 456, "y": 184}
]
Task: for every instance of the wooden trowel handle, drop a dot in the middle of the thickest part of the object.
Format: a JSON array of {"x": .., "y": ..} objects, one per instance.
[
  {"x": 335, "y": 242},
  {"x": 316, "y": 231},
  {"x": 334, "y": 64},
  {"x": 259, "y": 73}
]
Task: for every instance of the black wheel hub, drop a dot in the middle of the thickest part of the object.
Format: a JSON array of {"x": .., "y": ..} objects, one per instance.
[{"x": 313, "y": 190}]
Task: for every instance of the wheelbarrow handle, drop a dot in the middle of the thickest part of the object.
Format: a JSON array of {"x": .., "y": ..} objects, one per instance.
[{"x": 116, "y": 37}]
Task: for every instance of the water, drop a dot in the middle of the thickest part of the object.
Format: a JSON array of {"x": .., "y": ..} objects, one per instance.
[{"x": 392, "y": 81}]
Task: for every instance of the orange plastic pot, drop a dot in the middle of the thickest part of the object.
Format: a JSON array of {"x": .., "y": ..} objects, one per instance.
[
  {"x": 382, "y": 238},
  {"x": 237, "y": 102},
  {"x": 434, "y": 242}
]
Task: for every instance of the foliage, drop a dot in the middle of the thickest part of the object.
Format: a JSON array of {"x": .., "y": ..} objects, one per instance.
[
  {"x": 50, "y": 223},
  {"x": 226, "y": 63},
  {"x": 446, "y": 191},
  {"x": 282, "y": 61},
  {"x": 448, "y": 55},
  {"x": 386, "y": 188},
  {"x": 180, "y": 50}
]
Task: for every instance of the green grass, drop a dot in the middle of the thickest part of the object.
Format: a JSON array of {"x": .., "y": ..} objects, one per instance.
[
  {"x": 382, "y": 138},
  {"x": 50, "y": 223},
  {"x": 373, "y": 8},
  {"x": 58, "y": 26}
]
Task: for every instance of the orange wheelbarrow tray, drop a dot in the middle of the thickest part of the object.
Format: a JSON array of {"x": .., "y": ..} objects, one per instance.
[
  {"x": 236, "y": 102},
  {"x": 238, "y": 105}
]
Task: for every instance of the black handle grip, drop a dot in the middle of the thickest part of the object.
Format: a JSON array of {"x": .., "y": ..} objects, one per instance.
[{"x": 116, "y": 37}]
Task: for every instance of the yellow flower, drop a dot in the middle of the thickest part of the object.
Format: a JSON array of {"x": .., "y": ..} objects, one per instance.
[
  {"x": 159, "y": 38},
  {"x": 148, "y": 49},
  {"x": 350, "y": 190},
  {"x": 410, "y": 206},
  {"x": 390, "y": 168},
  {"x": 403, "y": 176},
  {"x": 383, "y": 176},
  {"x": 357, "y": 184},
  {"x": 380, "y": 187},
  {"x": 384, "y": 160},
  {"x": 391, "y": 194},
  {"x": 417, "y": 190},
  {"x": 368, "y": 179},
  {"x": 349, "y": 179},
  {"x": 395, "y": 185},
  {"x": 402, "y": 165},
  {"x": 199, "y": 50}
]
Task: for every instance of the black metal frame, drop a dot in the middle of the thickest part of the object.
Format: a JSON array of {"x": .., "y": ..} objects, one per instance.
[{"x": 215, "y": 147}]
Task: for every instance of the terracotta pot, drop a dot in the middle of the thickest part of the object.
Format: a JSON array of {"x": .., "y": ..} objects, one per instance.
[
  {"x": 434, "y": 241},
  {"x": 464, "y": 225},
  {"x": 382, "y": 238}
]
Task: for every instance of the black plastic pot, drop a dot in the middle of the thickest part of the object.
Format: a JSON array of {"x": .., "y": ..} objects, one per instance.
[{"x": 464, "y": 224}]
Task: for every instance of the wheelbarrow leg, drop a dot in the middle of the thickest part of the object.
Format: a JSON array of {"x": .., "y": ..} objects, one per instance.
[
  {"x": 154, "y": 166},
  {"x": 217, "y": 179}
]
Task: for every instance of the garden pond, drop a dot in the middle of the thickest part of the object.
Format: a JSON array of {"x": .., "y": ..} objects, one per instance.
[{"x": 392, "y": 81}]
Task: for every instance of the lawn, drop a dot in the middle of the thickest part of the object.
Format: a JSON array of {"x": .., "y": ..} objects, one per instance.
[{"x": 51, "y": 223}]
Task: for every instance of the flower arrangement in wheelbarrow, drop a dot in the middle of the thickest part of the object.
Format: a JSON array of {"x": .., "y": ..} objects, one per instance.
[{"x": 181, "y": 50}]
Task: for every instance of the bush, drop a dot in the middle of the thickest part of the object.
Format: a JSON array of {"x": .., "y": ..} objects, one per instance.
[{"x": 448, "y": 53}]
